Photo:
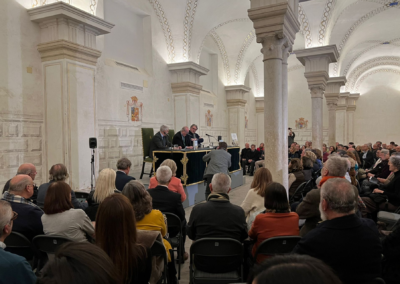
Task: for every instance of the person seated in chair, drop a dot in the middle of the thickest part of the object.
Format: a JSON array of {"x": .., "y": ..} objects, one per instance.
[
  {"x": 14, "y": 268},
  {"x": 367, "y": 157},
  {"x": 123, "y": 177},
  {"x": 251, "y": 158},
  {"x": 260, "y": 163},
  {"x": 243, "y": 156},
  {"x": 194, "y": 136},
  {"x": 160, "y": 141},
  {"x": 182, "y": 139}
]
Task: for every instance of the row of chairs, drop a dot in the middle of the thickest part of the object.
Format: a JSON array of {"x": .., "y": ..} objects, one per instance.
[{"x": 305, "y": 187}]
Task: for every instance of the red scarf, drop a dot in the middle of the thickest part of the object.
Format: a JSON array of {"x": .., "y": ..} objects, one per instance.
[{"x": 324, "y": 179}]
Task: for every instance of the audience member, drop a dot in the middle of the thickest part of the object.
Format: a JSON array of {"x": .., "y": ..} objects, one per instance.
[
  {"x": 29, "y": 222},
  {"x": 243, "y": 155},
  {"x": 160, "y": 140},
  {"x": 288, "y": 269},
  {"x": 182, "y": 139},
  {"x": 313, "y": 157},
  {"x": 350, "y": 245},
  {"x": 79, "y": 263},
  {"x": 385, "y": 197},
  {"x": 325, "y": 154},
  {"x": 277, "y": 219},
  {"x": 218, "y": 218},
  {"x": 296, "y": 175},
  {"x": 331, "y": 149},
  {"x": 167, "y": 201},
  {"x": 353, "y": 154},
  {"x": 318, "y": 154},
  {"x": 175, "y": 184},
  {"x": 397, "y": 149},
  {"x": 58, "y": 172},
  {"x": 218, "y": 161},
  {"x": 105, "y": 186},
  {"x": 293, "y": 153},
  {"x": 260, "y": 163},
  {"x": 116, "y": 234},
  {"x": 123, "y": 177},
  {"x": 382, "y": 169},
  {"x": 358, "y": 149},
  {"x": 252, "y": 157},
  {"x": 194, "y": 136},
  {"x": 307, "y": 167},
  {"x": 26, "y": 169},
  {"x": 13, "y": 268},
  {"x": 291, "y": 136},
  {"x": 367, "y": 157},
  {"x": 308, "y": 208},
  {"x": 61, "y": 219},
  {"x": 253, "y": 203}
]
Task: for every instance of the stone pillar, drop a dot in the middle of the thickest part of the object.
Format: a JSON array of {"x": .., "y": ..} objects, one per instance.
[
  {"x": 185, "y": 79},
  {"x": 236, "y": 101},
  {"x": 332, "y": 93},
  {"x": 69, "y": 55},
  {"x": 316, "y": 61},
  {"x": 276, "y": 25},
  {"x": 341, "y": 119},
  {"x": 260, "y": 119},
  {"x": 351, "y": 109}
]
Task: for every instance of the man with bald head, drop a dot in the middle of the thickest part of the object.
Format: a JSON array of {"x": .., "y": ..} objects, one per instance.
[
  {"x": 182, "y": 139},
  {"x": 29, "y": 221},
  {"x": 25, "y": 169}
]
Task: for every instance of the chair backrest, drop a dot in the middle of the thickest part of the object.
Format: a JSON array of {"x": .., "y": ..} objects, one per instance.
[
  {"x": 174, "y": 224},
  {"x": 49, "y": 244},
  {"x": 308, "y": 187},
  {"x": 297, "y": 193},
  {"x": 277, "y": 245},
  {"x": 158, "y": 249},
  {"x": 376, "y": 281},
  {"x": 81, "y": 194},
  {"x": 147, "y": 136},
  {"x": 19, "y": 244},
  {"x": 216, "y": 254},
  {"x": 171, "y": 134}
]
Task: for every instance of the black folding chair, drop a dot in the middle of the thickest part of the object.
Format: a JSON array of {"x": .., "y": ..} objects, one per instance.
[
  {"x": 277, "y": 246},
  {"x": 175, "y": 239},
  {"x": 81, "y": 196},
  {"x": 376, "y": 281},
  {"x": 308, "y": 187},
  {"x": 47, "y": 246},
  {"x": 158, "y": 249},
  {"x": 216, "y": 261},
  {"x": 19, "y": 244},
  {"x": 297, "y": 193}
]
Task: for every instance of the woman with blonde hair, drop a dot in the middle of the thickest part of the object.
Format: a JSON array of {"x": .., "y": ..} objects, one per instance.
[
  {"x": 313, "y": 159},
  {"x": 175, "y": 185},
  {"x": 253, "y": 203},
  {"x": 105, "y": 186}
]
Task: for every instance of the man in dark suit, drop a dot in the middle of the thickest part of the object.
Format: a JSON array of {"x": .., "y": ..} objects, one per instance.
[
  {"x": 243, "y": 155},
  {"x": 29, "y": 222},
  {"x": 367, "y": 157},
  {"x": 252, "y": 157},
  {"x": 160, "y": 140},
  {"x": 194, "y": 136},
  {"x": 182, "y": 139},
  {"x": 168, "y": 201},
  {"x": 347, "y": 243},
  {"x": 122, "y": 178},
  {"x": 217, "y": 218}
]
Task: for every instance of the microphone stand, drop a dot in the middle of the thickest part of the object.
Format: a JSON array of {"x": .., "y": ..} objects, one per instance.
[{"x": 92, "y": 176}]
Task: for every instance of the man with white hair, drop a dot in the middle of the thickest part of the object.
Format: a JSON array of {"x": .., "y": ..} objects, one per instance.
[
  {"x": 182, "y": 139},
  {"x": 14, "y": 268},
  {"x": 29, "y": 221},
  {"x": 26, "y": 169},
  {"x": 218, "y": 218},
  {"x": 348, "y": 244},
  {"x": 334, "y": 167},
  {"x": 160, "y": 140},
  {"x": 367, "y": 157}
]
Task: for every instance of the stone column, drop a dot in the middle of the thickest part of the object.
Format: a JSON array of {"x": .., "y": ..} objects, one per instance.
[
  {"x": 316, "y": 61},
  {"x": 276, "y": 25},
  {"x": 185, "y": 79},
  {"x": 69, "y": 55},
  {"x": 351, "y": 109},
  {"x": 332, "y": 93},
  {"x": 260, "y": 119},
  {"x": 341, "y": 119},
  {"x": 236, "y": 101}
]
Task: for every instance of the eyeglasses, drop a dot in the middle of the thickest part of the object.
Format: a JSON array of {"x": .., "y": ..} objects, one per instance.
[{"x": 15, "y": 215}]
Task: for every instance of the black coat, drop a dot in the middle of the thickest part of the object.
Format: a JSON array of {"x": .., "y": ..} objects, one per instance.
[
  {"x": 368, "y": 162},
  {"x": 42, "y": 195},
  {"x": 350, "y": 245},
  {"x": 167, "y": 201},
  {"x": 177, "y": 140},
  {"x": 158, "y": 143},
  {"x": 245, "y": 153},
  {"x": 122, "y": 179},
  {"x": 255, "y": 156},
  {"x": 392, "y": 189},
  {"x": 93, "y": 206},
  {"x": 195, "y": 135}
]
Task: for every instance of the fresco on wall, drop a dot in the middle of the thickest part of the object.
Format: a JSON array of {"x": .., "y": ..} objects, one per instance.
[
  {"x": 301, "y": 123},
  {"x": 209, "y": 118},
  {"x": 134, "y": 110}
]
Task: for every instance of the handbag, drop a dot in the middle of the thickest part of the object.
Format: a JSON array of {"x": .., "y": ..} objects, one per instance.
[{"x": 379, "y": 198}]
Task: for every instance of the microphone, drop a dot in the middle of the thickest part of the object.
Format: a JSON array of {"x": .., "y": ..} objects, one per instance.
[{"x": 209, "y": 135}]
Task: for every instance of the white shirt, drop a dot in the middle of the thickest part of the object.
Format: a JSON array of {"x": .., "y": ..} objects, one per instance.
[{"x": 2, "y": 245}]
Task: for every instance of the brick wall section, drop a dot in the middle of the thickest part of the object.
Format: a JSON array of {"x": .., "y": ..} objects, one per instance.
[{"x": 21, "y": 141}]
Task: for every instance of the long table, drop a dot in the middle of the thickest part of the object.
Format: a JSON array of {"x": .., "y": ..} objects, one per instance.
[{"x": 190, "y": 162}]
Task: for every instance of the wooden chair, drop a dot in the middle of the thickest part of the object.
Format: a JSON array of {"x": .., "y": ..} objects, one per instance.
[{"x": 147, "y": 136}]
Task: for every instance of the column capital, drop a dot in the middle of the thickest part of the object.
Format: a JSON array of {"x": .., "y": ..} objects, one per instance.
[
  {"x": 334, "y": 83},
  {"x": 316, "y": 61},
  {"x": 342, "y": 102},
  {"x": 317, "y": 92},
  {"x": 185, "y": 77},
  {"x": 235, "y": 95},
  {"x": 68, "y": 32},
  {"x": 331, "y": 101},
  {"x": 273, "y": 19},
  {"x": 351, "y": 101},
  {"x": 259, "y": 104}
]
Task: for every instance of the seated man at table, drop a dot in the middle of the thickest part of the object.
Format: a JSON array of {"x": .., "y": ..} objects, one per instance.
[
  {"x": 160, "y": 140},
  {"x": 219, "y": 161},
  {"x": 194, "y": 136},
  {"x": 182, "y": 139}
]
